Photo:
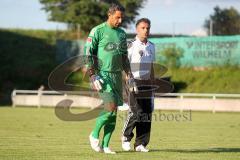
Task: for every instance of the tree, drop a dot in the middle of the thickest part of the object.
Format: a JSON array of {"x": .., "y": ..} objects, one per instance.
[
  {"x": 88, "y": 13},
  {"x": 225, "y": 21}
]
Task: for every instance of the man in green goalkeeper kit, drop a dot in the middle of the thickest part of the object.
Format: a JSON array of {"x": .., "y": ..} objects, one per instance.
[{"x": 107, "y": 43}]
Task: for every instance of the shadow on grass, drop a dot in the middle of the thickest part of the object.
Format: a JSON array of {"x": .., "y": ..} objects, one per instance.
[
  {"x": 130, "y": 152},
  {"x": 209, "y": 150}
]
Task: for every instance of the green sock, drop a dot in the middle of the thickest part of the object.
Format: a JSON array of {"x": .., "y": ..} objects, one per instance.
[
  {"x": 100, "y": 122},
  {"x": 108, "y": 130}
]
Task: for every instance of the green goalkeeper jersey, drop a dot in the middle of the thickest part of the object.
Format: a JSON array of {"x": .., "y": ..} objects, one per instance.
[{"x": 109, "y": 46}]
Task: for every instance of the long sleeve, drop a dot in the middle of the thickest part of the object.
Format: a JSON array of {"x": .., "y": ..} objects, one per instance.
[
  {"x": 126, "y": 59},
  {"x": 152, "y": 75},
  {"x": 91, "y": 49}
]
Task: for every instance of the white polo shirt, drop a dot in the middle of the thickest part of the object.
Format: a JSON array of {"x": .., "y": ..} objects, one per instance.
[{"x": 141, "y": 57}]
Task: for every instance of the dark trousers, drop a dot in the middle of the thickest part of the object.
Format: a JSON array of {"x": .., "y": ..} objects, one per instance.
[{"x": 139, "y": 117}]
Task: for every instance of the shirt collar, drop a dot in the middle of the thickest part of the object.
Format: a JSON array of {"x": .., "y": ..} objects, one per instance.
[{"x": 138, "y": 40}]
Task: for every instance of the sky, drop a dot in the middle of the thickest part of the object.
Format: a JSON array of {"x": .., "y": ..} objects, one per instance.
[{"x": 167, "y": 16}]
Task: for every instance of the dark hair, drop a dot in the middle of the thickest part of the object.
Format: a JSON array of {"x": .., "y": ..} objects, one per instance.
[
  {"x": 115, "y": 7},
  {"x": 146, "y": 20}
]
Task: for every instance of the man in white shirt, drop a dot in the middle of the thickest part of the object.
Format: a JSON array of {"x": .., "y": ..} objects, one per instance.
[{"x": 141, "y": 54}]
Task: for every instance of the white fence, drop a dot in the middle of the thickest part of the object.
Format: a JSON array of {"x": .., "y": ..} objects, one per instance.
[
  {"x": 169, "y": 101},
  {"x": 198, "y": 101},
  {"x": 51, "y": 98}
]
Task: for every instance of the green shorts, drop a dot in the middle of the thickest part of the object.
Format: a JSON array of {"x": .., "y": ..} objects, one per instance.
[{"x": 111, "y": 88}]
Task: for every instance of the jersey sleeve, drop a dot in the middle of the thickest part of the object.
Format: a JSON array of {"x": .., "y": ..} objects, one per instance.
[
  {"x": 130, "y": 50},
  {"x": 91, "y": 48},
  {"x": 152, "y": 74},
  {"x": 126, "y": 63},
  {"x": 154, "y": 53}
]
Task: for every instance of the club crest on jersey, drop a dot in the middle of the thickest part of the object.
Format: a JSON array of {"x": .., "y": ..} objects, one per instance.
[
  {"x": 110, "y": 46},
  {"x": 141, "y": 53}
]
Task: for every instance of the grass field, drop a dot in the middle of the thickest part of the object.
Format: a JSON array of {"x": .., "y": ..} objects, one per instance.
[{"x": 31, "y": 133}]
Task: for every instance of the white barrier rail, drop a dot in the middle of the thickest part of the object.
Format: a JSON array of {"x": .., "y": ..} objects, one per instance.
[
  {"x": 213, "y": 95},
  {"x": 51, "y": 98},
  {"x": 169, "y": 101}
]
